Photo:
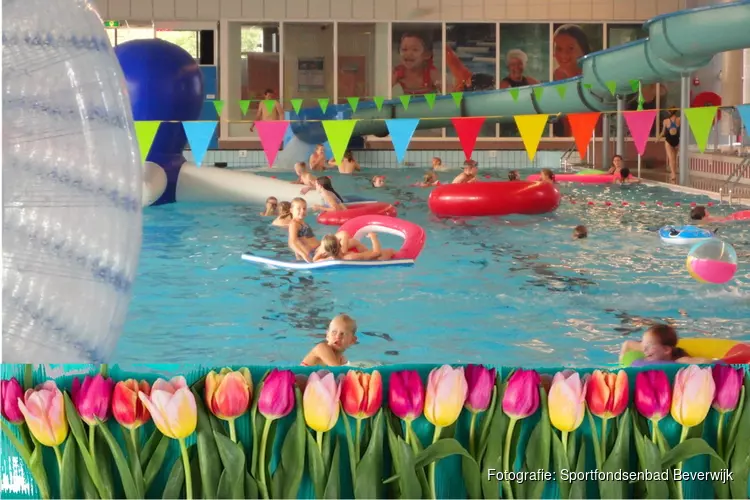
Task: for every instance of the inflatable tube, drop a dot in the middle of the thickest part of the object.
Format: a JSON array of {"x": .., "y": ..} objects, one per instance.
[
  {"x": 591, "y": 171},
  {"x": 581, "y": 178},
  {"x": 326, "y": 264},
  {"x": 338, "y": 217},
  {"x": 684, "y": 235},
  {"x": 726, "y": 350},
  {"x": 413, "y": 235},
  {"x": 737, "y": 216},
  {"x": 493, "y": 198}
]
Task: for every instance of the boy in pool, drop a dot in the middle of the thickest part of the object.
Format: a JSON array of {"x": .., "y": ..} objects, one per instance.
[
  {"x": 331, "y": 249},
  {"x": 430, "y": 179},
  {"x": 378, "y": 181},
  {"x": 341, "y": 335},
  {"x": 469, "y": 174},
  {"x": 659, "y": 345},
  {"x": 698, "y": 213},
  {"x": 580, "y": 232}
]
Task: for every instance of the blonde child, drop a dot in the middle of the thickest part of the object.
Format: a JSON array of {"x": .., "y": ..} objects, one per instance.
[
  {"x": 340, "y": 336},
  {"x": 378, "y": 181},
  {"x": 469, "y": 174},
  {"x": 437, "y": 164},
  {"x": 317, "y": 159},
  {"x": 330, "y": 249},
  {"x": 416, "y": 74},
  {"x": 285, "y": 215},
  {"x": 302, "y": 240},
  {"x": 271, "y": 207},
  {"x": 430, "y": 179}
]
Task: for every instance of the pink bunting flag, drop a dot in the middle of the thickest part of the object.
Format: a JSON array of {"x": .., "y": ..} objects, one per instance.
[
  {"x": 271, "y": 135},
  {"x": 640, "y": 123}
]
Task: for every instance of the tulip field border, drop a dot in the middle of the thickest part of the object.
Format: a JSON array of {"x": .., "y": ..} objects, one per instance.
[{"x": 484, "y": 416}]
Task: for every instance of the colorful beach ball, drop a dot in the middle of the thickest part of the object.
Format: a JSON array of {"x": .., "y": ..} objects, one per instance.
[{"x": 712, "y": 261}]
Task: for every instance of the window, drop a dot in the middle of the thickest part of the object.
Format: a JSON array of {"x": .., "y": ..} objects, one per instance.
[{"x": 187, "y": 40}]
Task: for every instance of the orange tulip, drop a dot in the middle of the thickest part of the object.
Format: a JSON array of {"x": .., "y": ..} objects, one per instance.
[
  {"x": 127, "y": 408},
  {"x": 228, "y": 393},
  {"x": 607, "y": 393},
  {"x": 362, "y": 393}
]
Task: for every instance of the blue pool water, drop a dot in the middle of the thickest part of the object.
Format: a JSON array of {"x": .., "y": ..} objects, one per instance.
[{"x": 516, "y": 290}]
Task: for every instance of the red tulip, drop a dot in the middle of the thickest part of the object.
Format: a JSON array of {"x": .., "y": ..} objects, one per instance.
[
  {"x": 10, "y": 392},
  {"x": 653, "y": 394},
  {"x": 362, "y": 393},
  {"x": 228, "y": 393},
  {"x": 92, "y": 398},
  {"x": 728, "y": 387},
  {"x": 481, "y": 381},
  {"x": 406, "y": 394},
  {"x": 521, "y": 397},
  {"x": 607, "y": 393},
  {"x": 127, "y": 407},
  {"x": 276, "y": 398}
]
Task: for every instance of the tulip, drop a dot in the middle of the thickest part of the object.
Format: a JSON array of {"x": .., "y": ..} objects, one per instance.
[
  {"x": 567, "y": 402},
  {"x": 320, "y": 402},
  {"x": 91, "y": 398},
  {"x": 481, "y": 383},
  {"x": 406, "y": 395},
  {"x": 607, "y": 397},
  {"x": 43, "y": 409},
  {"x": 728, "y": 382},
  {"x": 362, "y": 393},
  {"x": 653, "y": 394},
  {"x": 127, "y": 408},
  {"x": 521, "y": 397},
  {"x": 10, "y": 393},
  {"x": 228, "y": 395},
  {"x": 276, "y": 399},
  {"x": 693, "y": 393}
]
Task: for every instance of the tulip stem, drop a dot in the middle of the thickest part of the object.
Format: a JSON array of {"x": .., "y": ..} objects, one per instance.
[
  {"x": 58, "y": 456},
  {"x": 407, "y": 432},
  {"x": 604, "y": 439},
  {"x": 565, "y": 442},
  {"x": 319, "y": 441},
  {"x": 683, "y": 436},
  {"x": 720, "y": 435},
  {"x": 92, "y": 439},
  {"x": 232, "y": 431},
  {"x": 262, "y": 467},
  {"x": 507, "y": 466},
  {"x": 472, "y": 433},
  {"x": 134, "y": 459},
  {"x": 188, "y": 472},
  {"x": 358, "y": 440},
  {"x": 104, "y": 370},
  {"x": 433, "y": 465}
]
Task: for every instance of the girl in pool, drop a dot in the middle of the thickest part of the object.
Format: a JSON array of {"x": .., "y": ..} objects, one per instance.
[
  {"x": 330, "y": 249},
  {"x": 271, "y": 207},
  {"x": 285, "y": 215},
  {"x": 302, "y": 240},
  {"x": 416, "y": 74},
  {"x": 547, "y": 176},
  {"x": 659, "y": 345},
  {"x": 625, "y": 177},
  {"x": 430, "y": 179},
  {"x": 332, "y": 199},
  {"x": 317, "y": 159},
  {"x": 341, "y": 335},
  {"x": 471, "y": 169},
  {"x": 437, "y": 164},
  {"x": 348, "y": 164},
  {"x": 378, "y": 181},
  {"x": 617, "y": 164}
]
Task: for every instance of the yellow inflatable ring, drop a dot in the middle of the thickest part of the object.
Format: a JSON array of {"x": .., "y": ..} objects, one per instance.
[{"x": 728, "y": 351}]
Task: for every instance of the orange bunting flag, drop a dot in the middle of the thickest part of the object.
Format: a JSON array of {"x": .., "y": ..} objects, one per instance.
[
  {"x": 531, "y": 128},
  {"x": 582, "y": 125},
  {"x": 468, "y": 129}
]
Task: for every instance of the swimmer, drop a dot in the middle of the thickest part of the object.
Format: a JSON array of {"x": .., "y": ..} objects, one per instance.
[
  {"x": 513, "y": 175},
  {"x": 329, "y": 195},
  {"x": 330, "y": 249},
  {"x": 471, "y": 169},
  {"x": 430, "y": 179},
  {"x": 698, "y": 213},
  {"x": 341, "y": 335},
  {"x": 302, "y": 240},
  {"x": 617, "y": 164},
  {"x": 285, "y": 215},
  {"x": 547, "y": 176},
  {"x": 271, "y": 207},
  {"x": 659, "y": 345},
  {"x": 580, "y": 232},
  {"x": 300, "y": 168},
  {"x": 437, "y": 163},
  {"x": 378, "y": 181},
  {"x": 624, "y": 177},
  {"x": 348, "y": 164},
  {"x": 317, "y": 159}
]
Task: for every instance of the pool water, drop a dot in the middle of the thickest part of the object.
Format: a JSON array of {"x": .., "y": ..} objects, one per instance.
[{"x": 516, "y": 290}]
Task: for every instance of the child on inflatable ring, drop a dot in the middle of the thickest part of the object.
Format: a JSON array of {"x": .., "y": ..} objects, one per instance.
[
  {"x": 331, "y": 248},
  {"x": 659, "y": 346}
]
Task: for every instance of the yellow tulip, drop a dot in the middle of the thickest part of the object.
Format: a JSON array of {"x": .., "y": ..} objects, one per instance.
[
  {"x": 693, "y": 393},
  {"x": 172, "y": 407},
  {"x": 567, "y": 401},
  {"x": 44, "y": 410},
  {"x": 446, "y": 394},
  {"x": 320, "y": 402}
]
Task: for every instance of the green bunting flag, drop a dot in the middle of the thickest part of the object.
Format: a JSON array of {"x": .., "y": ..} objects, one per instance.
[
  {"x": 338, "y": 133},
  {"x": 701, "y": 120},
  {"x": 514, "y": 93},
  {"x": 587, "y": 86},
  {"x": 244, "y": 106},
  {"x": 145, "y": 132},
  {"x": 405, "y": 100},
  {"x": 641, "y": 100},
  {"x": 561, "y": 90},
  {"x": 323, "y": 103},
  {"x": 457, "y": 96},
  {"x": 611, "y": 86},
  {"x": 219, "y": 106},
  {"x": 269, "y": 104},
  {"x": 634, "y": 84},
  {"x": 538, "y": 93},
  {"x": 378, "y": 102},
  {"x": 297, "y": 105},
  {"x": 353, "y": 102},
  {"x": 430, "y": 98}
]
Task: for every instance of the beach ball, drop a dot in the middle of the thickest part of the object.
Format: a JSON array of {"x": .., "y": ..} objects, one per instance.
[{"x": 712, "y": 261}]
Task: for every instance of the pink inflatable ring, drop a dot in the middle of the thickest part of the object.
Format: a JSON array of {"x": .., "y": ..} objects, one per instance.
[
  {"x": 353, "y": 210},
  {"x": 413, "y": 235}
]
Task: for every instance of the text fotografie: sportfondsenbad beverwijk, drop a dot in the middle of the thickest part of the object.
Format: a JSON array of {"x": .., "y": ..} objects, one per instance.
[{"x": 723, "y": 475}]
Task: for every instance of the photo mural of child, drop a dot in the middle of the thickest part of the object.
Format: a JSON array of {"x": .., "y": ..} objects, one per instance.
[{"x": 416, "y": 73}]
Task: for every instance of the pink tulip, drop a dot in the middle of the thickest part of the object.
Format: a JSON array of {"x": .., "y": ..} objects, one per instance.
[
  {"x": 728, "y": 387},
  {"x": 172, "y": 406},
  {"x": 92, "y": 398},
  {"x": 521, "y": 397},
  {"x": 43, "y": 409},
  {"x": 276, "y": 399},
  {"x": 445, "y": 396},
  {"x": 481, "y": 381},
  {"x": 653, "y": 394},
  {"x": 10, "y": 393},
  {"x": 692, "y": 395},
  {"x": 406, "y": 394}
]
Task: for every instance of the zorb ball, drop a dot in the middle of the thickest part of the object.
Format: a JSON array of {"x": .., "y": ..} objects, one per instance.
[{"x": 712, "y": 261}]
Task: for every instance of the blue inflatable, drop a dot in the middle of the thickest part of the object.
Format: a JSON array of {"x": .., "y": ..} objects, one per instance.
[
  {"x": 684, "y": 235},
  {"x": 165, "y": 84}
]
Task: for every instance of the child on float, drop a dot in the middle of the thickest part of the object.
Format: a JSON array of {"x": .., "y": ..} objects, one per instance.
[
  {"x": 417, "y": 73},
  {"x": 302, "y": 240},
  {"x": 625, "y": 177},
  {"x": 469, "y": 174},
  {"x": 340, "y": 336},
  {"x": 331, "y": 249},
  {"x": 317, "y": 159},
  {"x": 378, "y": 181},
  {"x": 332, "y": 199},
  {"x": 271, "y": 207},
  {"x": 285, "y": 215},
  {"x": 547, "y": 176},
  {"x": 348, "y": 165},
  {"x": 659, "y": 346}
]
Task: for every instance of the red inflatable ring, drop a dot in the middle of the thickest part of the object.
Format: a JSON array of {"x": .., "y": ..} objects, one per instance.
[
  {"x": 413, "y": 235},
  {"x": 705, "y": 99},
  {"x": 493, "y": 198},
  {"x": 338, "y": 217}
]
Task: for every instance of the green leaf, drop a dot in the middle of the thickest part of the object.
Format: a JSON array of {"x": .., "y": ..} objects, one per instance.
[
  {"x": 151, "y": 445},
  {"x": 333, "y": 485},
  {"x": 317, "y": 469},
  {"x": 618, "y": 460},
  {"x": 87, "y": 485},
  {"x": 472, "y": 477},
  {"x": 538, "y": 449},
  {"x": 327, "y": 454},
  {"x": 290, "y": 469},
  {"x": 23, "y": 451},
  {"x": 195, "y": 473},
  {"x": 441, "y": 449},
  {"x": 176, "y": 480},
  {"x": 649, "y": 459},
  {"x": 79, "y": 434},
  {"x": 686, "y": 450},
  {"x": 572, "y": 448},
  {"x": 36, "y": 466},
  {"x": 133, "y": 462},
  {"x": 369, "y": 476},
  {"x": 560, "y": 459},
  {"x": 68, "y": 473},
  {"x": 721, "y": 488},
  {"x": 731, "y": 439},
  {"x": 158, "y": 454},
  {"x": 417, "y": 448},
  {"x": 492, "y": 456},
  {"x": 251, "y": 487},
  {"x": 103, "y": 458},
  {"x": 404, "y": 465},
  {"x": 208, "y": 452},
  {"x": 233, "y": 458},
  {"x": 28, "y": 377},
  {"x": 255, "y": 431},
  {"x": 126, "y": 478},
  {"x": 224, "y": 490},
  {"x": 740, "y": 462},
  {"x": 595, "y": 439},
  {"x": 485, "y": 426},
  {"x": 578, "y": 488}
]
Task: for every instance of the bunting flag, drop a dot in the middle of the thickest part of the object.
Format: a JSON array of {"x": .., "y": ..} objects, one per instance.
[
  {"x": 582, "y": 126},
  {"x": 457, "y": 97},
  {"x": 401, "y": 131},
  {"x": 701, "y": 120},
  {"x": 587, "y": 86},
  {"x": 219, "y": 106},
  {"x": 538, "y": 93},
  {"x": 339, "y": 132},
  {"x": 639, "y": 124},
  {"x": 531, "y": 128},
  {"x": 634, "y": 85},
  {"x": 244, "y": 106},
  {"x": 269, "y": 104},
  {"x": 353, "y": 102},
  {"x": 405, "y": 100},
  {"x": 561, "y": 90},
  {"x": 378, "y": 102},
  {"x": 323, "y": 103},
  {"x": 271, "y": 134},
  {"x": 199, "y": 135},
  {"x": 297, "y": 105},
  {"x": 514, "y": 93},
  {"x": 468, "y": 129},
  {"x": 612, "y": 86},
  {"x": 430, "y": 98},
  {"x": 744, "y": 111},
  {"x": 145, "y": 133}
]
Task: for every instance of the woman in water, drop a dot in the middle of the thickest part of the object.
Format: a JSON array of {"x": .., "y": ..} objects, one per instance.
[
  {"x": 302, "y": 240},
  {"x": 271, "y": 207},
  {"x": 285, "y": 215},
  {"x": 331, "y": 198},
  {"x": 330, "y": 249},
  {"x": 670, "y": 132},
  {"x": 659, "y": 345},
  {"x": 348, "y": 164}
]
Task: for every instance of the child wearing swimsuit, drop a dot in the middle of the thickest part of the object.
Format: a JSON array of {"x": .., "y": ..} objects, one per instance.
[{"x": 341, "y": 335}]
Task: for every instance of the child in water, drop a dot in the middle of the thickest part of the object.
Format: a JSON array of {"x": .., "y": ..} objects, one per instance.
[
  {"x": 285, "y": 215},
  {"x": 547, "y": 176},
  {"x": 341, "y": 335},
  {"x": 437, "y": 164},
  {"x": 580, "y": 232},
  {"x": 471, "y": 169},
  {"x": 416, "y": 74},
  {"x": 625, "y": 177},
  {"x": 330, "y": 249},
  {"x": 513, "y": 175},
  {"x": 332, "y": 199},
  {"x": 348, "y": 164},
  {"x": 430, "y": 179},
  {"x": 659, "y": 345},
  {"x": 317, "y": 159},
  {"x": 378, "y": 181},
  {"x": 271, "y": 207},
  {"x": 698, "y": 213},
  {"x": 302, "y": 240}
]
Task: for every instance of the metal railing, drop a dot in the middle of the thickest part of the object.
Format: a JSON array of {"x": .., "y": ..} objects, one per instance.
[
  {"x": 567, "y": 162},
  {"x": 738, "y": 173}
]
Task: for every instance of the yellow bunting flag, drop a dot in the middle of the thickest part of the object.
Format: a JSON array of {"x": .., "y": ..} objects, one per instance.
[
  {"x": 323, "y": 103},
  {"x": 297, "y": 105},
  {"x": 405, "y": 100},
  {"x": 531, "y": 128},
  {"x": 353, "y": 102},
  {"x": 701, "y": 121},
  {"x": 145, "y": 133},
  {"x": 244, "y": 106},
  {"x": 339, "y": 132},
  {"x": 219, "y": 106}
]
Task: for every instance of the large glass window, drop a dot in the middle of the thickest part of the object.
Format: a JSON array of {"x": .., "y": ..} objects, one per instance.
[
  {"x": 134, "y": 33},
  {"x": 187, "y": 39}
]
